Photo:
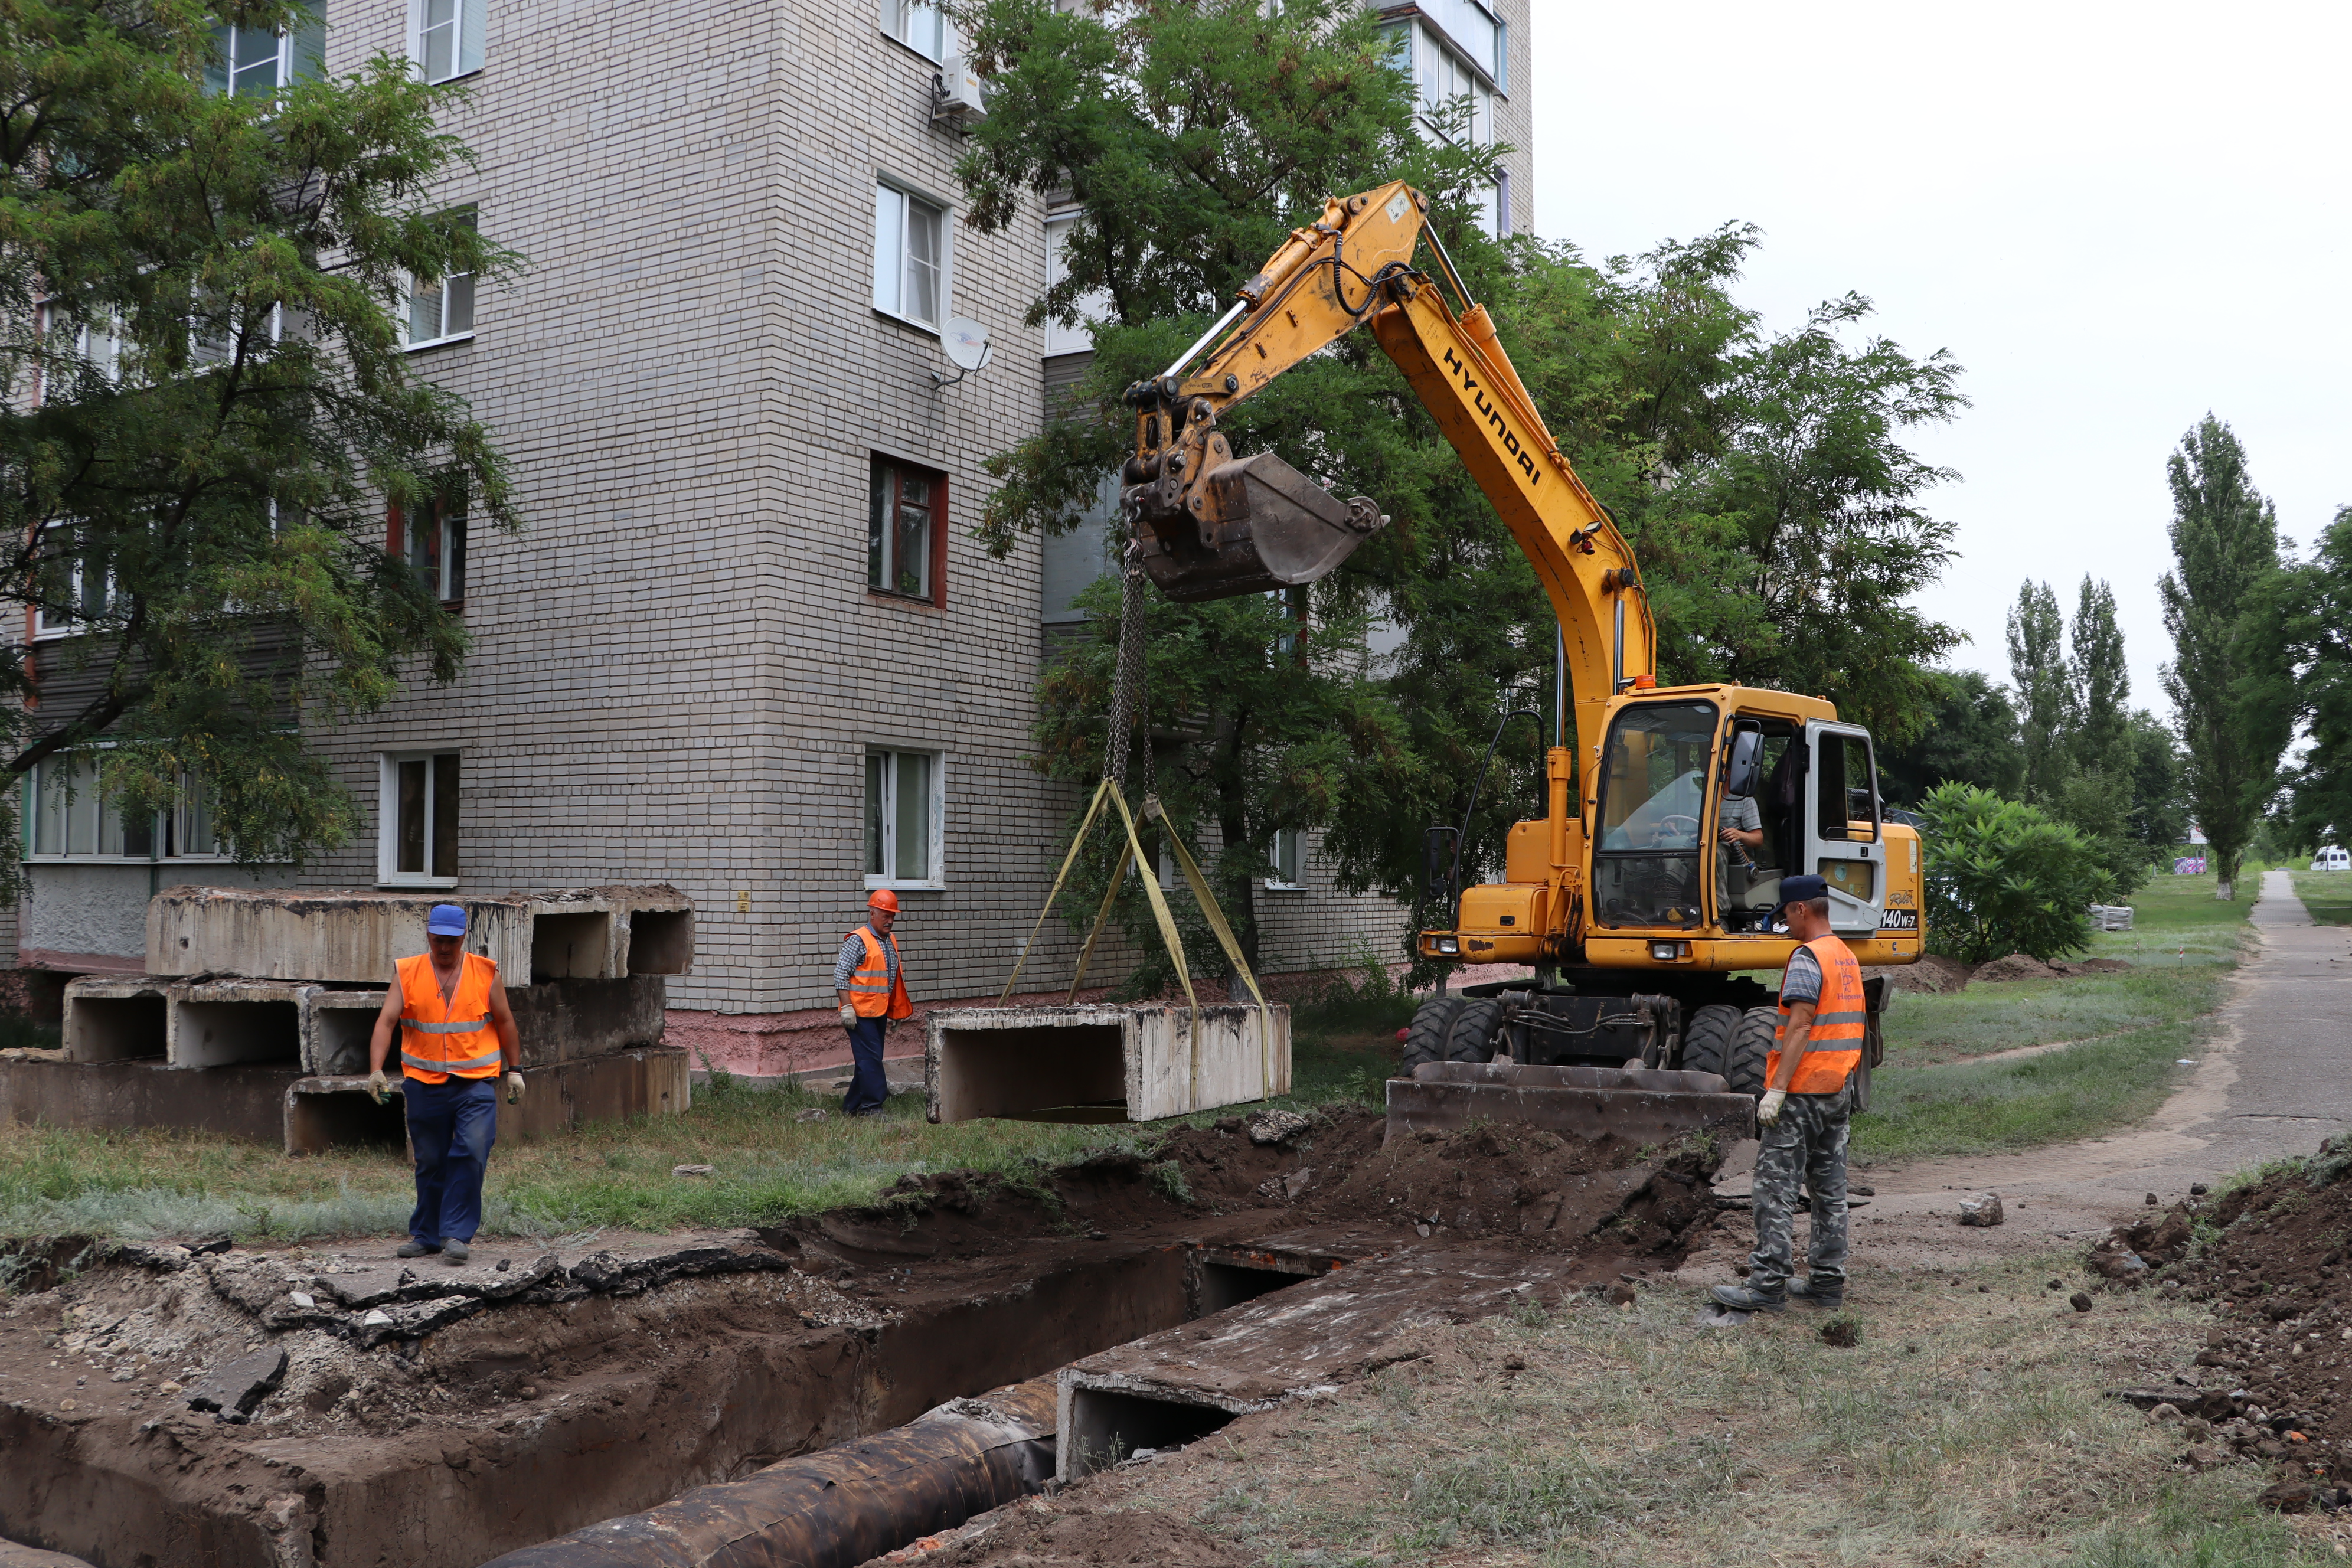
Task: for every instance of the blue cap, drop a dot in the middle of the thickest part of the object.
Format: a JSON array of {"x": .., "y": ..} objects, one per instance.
[
  {"x": 448, "y": 920},
  {"x": 1800, "y": 888}
]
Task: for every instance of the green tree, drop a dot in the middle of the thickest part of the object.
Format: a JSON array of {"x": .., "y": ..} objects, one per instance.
[
  {"x": 207, "y": 409},
  {"x": 2003, "y": 878},
  {"x": 2102, "y": 685},
  {"x": 2159, "y": 812},
  {"x": 1970, "y": 738},
  {"x": 2037, "y": 668},
  {"x": 2225, "y": 549},
  {"x": 2298, "y": 635}
]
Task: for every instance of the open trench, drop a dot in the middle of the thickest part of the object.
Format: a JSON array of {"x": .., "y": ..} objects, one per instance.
[{"x": 432, "y": 1417}]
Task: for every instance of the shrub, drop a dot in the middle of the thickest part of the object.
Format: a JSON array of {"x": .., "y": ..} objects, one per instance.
[{"x": 2003, "y": 878}]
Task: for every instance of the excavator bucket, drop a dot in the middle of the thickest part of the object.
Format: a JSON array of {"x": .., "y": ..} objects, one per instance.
[
  {"x": 1255, "y": 524},
  {"x": 1641, "y": 1106}
]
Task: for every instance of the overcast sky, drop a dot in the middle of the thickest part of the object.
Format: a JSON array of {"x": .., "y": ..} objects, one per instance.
[{"x": 2115, "y": 217}]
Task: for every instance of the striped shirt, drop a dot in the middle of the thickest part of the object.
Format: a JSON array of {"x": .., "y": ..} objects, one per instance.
[
  {"x": 1802, "y": 981},
  {"x": 853, "y": 955}
]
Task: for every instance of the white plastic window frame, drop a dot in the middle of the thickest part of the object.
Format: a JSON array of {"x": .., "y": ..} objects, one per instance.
[
  {"x": 935, "y": 880},
  {"x": 1441, "y": 74},
  {"x": 921, "y": 27},
  {"x": 78, "y": 578},
  {"x": 464, "y": 31},
  {"x": 387, "y": 833},
  {"x": 162, "y": 833},
  {"x": 1296, "y": 839},
  {"x": 1094, "y": 306},
  {"x": 894, "y": 201},
  {"x": 442, "y": 306}
]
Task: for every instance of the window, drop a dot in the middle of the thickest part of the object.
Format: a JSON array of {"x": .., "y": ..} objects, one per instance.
[
  {"x": 921, "y": 27},
  {"x": 435, "y": 548},
  {"x": 1288, "y": 853},
  {"x": 97, "y": 346},
  {"x": 446, "y": 38},
  {"x": 1441, "y": 76},
  {"x": 254, "y": 63},
  {"x": 441, "y": 310},
  {"x": 904, "y": 805},
  {"x": 909, "y": 255},
  {"x": 76, "y": 585},
  {"x": 1095, "y": 307},
  {"x": 67, "y": 820},
  {"x": 416, "y": 836},
  {"x": 904, "y": 541}
]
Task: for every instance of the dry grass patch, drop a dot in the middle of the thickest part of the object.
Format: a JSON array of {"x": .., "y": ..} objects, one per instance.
[{"x": 1966, "y": 1426}]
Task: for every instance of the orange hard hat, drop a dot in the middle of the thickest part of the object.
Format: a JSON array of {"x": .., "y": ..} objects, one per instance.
[{"x": 882, "y": 899}]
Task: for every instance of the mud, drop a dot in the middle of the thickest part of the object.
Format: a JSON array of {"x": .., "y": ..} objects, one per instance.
[{"x": 430, "y": 1415}]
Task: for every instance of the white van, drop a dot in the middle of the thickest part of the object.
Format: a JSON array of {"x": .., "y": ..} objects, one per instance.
[{"x": 2331, "y": 859}]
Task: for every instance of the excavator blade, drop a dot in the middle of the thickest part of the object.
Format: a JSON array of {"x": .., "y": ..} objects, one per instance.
[{"x": 1256, "y": 523}]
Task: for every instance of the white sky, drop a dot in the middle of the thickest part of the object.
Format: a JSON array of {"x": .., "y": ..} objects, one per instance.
[{"x": 2116, "y": 217}]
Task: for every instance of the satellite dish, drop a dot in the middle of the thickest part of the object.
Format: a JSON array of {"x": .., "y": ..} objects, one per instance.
[{"x": 966, "y": 343}]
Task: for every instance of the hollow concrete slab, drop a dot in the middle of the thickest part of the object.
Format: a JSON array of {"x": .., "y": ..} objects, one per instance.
[{"x": 1152, "y": 1061}]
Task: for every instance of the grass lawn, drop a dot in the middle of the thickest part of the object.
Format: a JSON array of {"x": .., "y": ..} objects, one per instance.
[
  {"x": 768, "y": 1163},
  {"x": 2326, "y": 894},
  {"x": 1931, "y": 1099},
  {"x": 1967, "y": 1427}
]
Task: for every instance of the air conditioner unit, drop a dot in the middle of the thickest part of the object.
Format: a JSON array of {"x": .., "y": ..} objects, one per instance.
[{"x": 958, "y": 95}]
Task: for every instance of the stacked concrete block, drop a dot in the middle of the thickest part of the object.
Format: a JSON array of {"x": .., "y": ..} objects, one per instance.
[
  {"x": 292, "y": 983},
  {"x": 1112, "y": 1063}
]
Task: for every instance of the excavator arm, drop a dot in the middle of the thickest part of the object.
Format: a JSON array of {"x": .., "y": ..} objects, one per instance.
[{"x": 1211, "y": 526}]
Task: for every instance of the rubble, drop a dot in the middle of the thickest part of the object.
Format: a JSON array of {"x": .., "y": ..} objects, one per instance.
[
  {"x": 1981, "y": 1211},
  {"x": 242, "y": 1383}
]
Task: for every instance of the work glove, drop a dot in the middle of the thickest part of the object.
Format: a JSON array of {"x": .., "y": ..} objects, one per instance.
[
  {"x": 378, "y": 1086},
  {"x": 1768, "y": 1110},
  {"x": 514, "y": 1088},
  {"x": 848, "y": 1017}
]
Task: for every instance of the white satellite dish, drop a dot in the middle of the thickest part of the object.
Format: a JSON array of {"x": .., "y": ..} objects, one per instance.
[{"x": 966, "y": 343}]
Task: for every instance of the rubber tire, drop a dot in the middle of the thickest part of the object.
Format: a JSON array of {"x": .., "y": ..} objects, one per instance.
[
  {"x": 1425, "y": 1040},
  {"x": 1476, "y": 1031},
  {"x": 1707, "y": 1039},
  {"x": 1745, "y": 1070}
]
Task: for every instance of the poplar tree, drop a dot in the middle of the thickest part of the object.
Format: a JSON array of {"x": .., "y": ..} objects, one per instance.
[
  {"x": 2225, "y": 548},
  {"x": 206, "y": 410},
  {"x": 2102, "y": 685},
  {"x": 2037, "y": 668}
]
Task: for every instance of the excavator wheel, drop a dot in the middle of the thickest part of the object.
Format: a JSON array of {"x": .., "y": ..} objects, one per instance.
[
  {"x": 1708, "y": 1040},
  {"x": 1425, "y": 1040},
  {"x": 1477, "y": 1032},
  {"x": 1745, "y": 1066}
]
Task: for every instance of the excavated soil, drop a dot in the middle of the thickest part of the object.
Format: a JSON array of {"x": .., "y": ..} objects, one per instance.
[
  {"x": 2276, "y": 1258},
  {"x": 1029, "y": 1537},
  {"x": 415, "y": 1399}
]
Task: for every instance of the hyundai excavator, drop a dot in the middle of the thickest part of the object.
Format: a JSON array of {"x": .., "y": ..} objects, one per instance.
[{"x": 1640, "y": 916}]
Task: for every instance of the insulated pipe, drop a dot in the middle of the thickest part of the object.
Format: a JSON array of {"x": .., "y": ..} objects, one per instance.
[{"x": 839, "y": 1507}]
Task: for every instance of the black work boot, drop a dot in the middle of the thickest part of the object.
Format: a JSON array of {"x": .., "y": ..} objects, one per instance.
[
  {"x": 1828, "y": 1299},
  {"x": 414, "y": 1249},
  {"x": 1743, "y": 1298}
]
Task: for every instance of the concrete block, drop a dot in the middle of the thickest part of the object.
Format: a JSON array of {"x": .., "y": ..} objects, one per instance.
[
  {"x": 244, "y": 1101},
  {"x": 335, "y": 1029},
  {"x": 335, "y": 1112},
  {"x": 1639, "y": 1106},
  {"x": 110, "y": 1020},
  {"x": 1149, "y": 1061},
  {"x": 355, "y": 938},
  {"x": 222, "y": 1022},
  {"x": 572, "y": 1020}
]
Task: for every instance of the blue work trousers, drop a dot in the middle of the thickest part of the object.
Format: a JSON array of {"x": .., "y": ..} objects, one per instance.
[
  {"x": 867, "y": 1086},
  {"x": 451, "y": 1126}
]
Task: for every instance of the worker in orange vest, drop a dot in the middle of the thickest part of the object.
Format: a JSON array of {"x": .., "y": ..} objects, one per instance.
[
  {"x": 1807, "y": 1108},
  {"x": 455, "y": 1033},
  {"x": 872, "y": 990}
]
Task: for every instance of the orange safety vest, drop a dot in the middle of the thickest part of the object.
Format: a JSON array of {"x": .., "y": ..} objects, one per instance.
[
  {"x": 438, "y": 1042},
  {"x": 1834, "y": 1047},
  {"x": 871, "y": 991}
]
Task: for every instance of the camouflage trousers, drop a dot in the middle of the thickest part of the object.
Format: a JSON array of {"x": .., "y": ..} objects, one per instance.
[{"x": 1807, "y": 1144}]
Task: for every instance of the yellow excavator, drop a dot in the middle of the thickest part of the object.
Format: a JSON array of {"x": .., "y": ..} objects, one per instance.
[{"x": 1636, "y": 910}]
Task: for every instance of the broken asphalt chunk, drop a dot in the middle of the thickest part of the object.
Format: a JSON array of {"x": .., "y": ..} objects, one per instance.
[{"x": 237, "y": 1387}]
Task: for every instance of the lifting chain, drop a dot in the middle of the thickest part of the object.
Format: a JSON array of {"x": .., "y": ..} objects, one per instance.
[{"x": 1130, "y": 705}]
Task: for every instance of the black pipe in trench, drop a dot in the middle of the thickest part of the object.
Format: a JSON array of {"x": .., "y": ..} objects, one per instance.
[{"x": 840, "y": 1505}]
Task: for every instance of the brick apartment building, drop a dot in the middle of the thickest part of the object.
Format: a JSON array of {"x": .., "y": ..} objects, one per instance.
[{"x": 745, "y": 645}]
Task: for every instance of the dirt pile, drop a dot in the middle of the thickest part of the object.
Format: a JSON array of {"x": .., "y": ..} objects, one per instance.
[
  {"x": 1486, "y": 1183},
  {"x": 2272, "y": 1258},
  {"x": 1931, "y": 976},
  {"x": 1035, "y": 1534}
]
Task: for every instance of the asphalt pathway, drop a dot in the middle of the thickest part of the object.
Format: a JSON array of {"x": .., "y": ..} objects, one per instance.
[{"x": 2275, "y": 1079}]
